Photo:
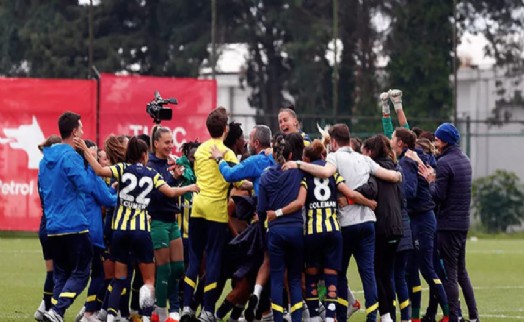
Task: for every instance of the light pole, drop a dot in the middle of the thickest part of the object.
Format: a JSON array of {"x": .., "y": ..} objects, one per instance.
[
  {"x": 213, "y": 38},
  {"x": 455, "y": 69},
  {"x": 335, "y": 61}
]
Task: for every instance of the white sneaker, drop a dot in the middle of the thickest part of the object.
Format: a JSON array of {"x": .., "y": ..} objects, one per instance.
[
  {"x": 206, "y": 316},
  {"x": 80, "y": 314},
  {"x": 187, "y": 311},
  {"x": 102, "y": 315},
  {"x": 322, "y": 311},
  {"x": 39, "y": 313},
  {"x": 353, "y": 308},
  {"x": 305, "y": 312},
  {"x": 52, "y": 316},
  {"x": 91, "y": 318},
  {"x": 174, "y": 316},
  {"x": 268, "y": 317}
]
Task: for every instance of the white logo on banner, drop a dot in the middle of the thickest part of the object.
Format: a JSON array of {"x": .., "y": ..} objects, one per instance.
[{"x": 26, "y": 137}]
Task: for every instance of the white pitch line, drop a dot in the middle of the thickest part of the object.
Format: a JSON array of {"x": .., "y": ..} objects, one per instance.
[
  {"x": 508, "y": 287},
  {"x": 502, "y": 316}
]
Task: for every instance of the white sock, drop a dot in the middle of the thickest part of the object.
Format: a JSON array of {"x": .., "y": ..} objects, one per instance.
[
  {"x": 41, "y": 308},
  {"x": 351, "y": 297},
  {"x": 386, "y": 318},
  {"x": 162, "y": 313},
  {"x": 258, "y": 290}
]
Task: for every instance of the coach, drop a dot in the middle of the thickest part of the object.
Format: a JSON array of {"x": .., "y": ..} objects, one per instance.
[{"x": 450, "y": 187}]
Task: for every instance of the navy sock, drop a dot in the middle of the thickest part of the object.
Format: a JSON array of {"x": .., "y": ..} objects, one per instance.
[{"x": 49, "y": 284}]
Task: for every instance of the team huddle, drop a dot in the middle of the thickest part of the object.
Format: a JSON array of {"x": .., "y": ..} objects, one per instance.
[{"x": 159, "y": 237}]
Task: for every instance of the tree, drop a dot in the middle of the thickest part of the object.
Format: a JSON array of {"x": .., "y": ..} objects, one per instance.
[
  {"x": 420, "y": 61},
  {"x": 498, "y": 200},
  {"x": 43, "y": 39},
  {"x": 154, "y": 37}
]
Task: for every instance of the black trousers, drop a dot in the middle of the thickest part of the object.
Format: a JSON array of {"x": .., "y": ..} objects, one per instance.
[
  {"x": 385, "y": 253},
  {"x": 452, "y": 249}
]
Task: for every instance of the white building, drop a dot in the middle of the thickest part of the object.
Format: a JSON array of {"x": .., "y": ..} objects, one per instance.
[{"x": 496, "y": 135}]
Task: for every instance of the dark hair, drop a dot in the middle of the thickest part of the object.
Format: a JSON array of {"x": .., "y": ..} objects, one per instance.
[
  {"x": 296, "y": 142},
  {"x": 315, "y": 151},
  {"x": 67, "y": 123},
  {"x": 378, "y": 146},
  {"x": 427, "y": 135},
  {"x": 146, "y": 138},
  {"x": 90, "y": 143},
  {"x": 340, "y": 133},
  {"x": 281, "y": 148},
  {"x": 188, "y": 146},
  {"x": 135, "y": 149},
  {"x": 263, "y": 135},
  {"x": 52, "y": 139},
  {"x": 417, "y": 131},
  {"x": 356, "y": 144},
  {"x": 116, "y": 151},
  {"x": 235, "y": 132},
  {"x": 406, "y": 136},
  {"x": 290, "y": 109},
  {"x": 216, "y": 122},
  {"x": 157, "y": 134}
]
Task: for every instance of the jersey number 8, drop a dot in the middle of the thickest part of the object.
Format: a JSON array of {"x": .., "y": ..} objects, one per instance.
[{"x": 322, "y": 191}]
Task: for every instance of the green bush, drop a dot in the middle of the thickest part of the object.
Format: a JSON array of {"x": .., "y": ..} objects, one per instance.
[{"x": 498, "y": 201}]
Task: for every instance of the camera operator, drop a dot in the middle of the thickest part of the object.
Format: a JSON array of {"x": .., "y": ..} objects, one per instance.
[{"x": 165, "y": 233}]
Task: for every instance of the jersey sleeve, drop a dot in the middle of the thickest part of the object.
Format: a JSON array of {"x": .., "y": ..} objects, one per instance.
[
  {"x": 373, "y": 166},
  {"x": 158, "y": 181},
  {"x": 338, "y": 178},
  {"x": 117, "y": 170},
  {"x": 303, "y": 183}
]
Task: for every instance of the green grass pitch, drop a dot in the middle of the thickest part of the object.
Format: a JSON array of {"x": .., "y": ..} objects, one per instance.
[{"x": 496, "y": 268}]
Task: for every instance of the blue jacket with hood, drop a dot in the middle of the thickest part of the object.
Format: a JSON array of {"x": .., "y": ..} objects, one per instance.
[
  {"x": 102, "y": 195},
  {"x": 63, "y": 185}
]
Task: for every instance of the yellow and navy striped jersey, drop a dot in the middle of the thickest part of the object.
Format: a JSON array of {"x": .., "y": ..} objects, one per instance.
[
  {"x": 183, "y": 217},
  {"x": 321, "y": 203},
  {"x": 307, "y": 139},
  {"x": 135, "y": 183}
]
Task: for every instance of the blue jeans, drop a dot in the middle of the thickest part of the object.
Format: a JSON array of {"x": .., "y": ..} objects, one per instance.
[{"x": 359, "y": 241}]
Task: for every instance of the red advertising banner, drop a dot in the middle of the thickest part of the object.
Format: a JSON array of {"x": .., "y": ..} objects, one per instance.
[
  {"x": 124, "y": 99},
  {"x": 29, "y": 111}
]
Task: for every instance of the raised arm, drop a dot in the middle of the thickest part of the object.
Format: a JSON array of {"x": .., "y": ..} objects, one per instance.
[
  {"x": 395, "y": 95},
  {"x": 387, "y": 124}
]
